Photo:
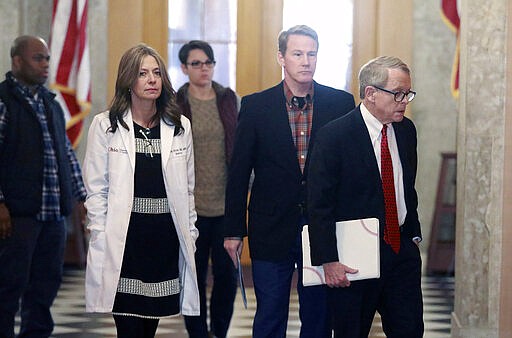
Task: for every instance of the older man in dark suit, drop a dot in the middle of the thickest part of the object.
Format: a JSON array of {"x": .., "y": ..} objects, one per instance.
[
  {"x": 365, "y": 167},
  {"x": 276, "y": 129}
]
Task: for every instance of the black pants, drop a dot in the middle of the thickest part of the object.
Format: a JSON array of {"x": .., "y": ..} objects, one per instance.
[
  {"x": 135, "y": 327},
  {"x": 31, "y": 262},
  {"x": 211, "y": 242},
  {"x": 396, "y": 295}
]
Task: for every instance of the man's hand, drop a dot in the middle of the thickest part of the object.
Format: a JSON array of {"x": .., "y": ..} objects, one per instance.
[
  {"x": 234, "y": 249},
  {"x": 336, "y": 274},
  {"x": 5, "y": 222}
]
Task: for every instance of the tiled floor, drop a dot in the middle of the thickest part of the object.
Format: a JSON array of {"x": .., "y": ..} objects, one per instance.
[{"x": 72, "y": 322}]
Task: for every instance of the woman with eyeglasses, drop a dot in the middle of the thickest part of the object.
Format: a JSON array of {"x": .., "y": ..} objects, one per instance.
[
  {"x": 212, "y": 110},
  {"x": 139, "y": 175}
]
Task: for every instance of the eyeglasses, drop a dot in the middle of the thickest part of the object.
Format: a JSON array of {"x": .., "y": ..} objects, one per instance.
[
  {"x": 399, "y": 96},
  {"x": 199, "y": 64}
]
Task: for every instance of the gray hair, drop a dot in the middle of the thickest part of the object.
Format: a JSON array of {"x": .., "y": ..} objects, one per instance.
[{"x": 375, "y": 72}]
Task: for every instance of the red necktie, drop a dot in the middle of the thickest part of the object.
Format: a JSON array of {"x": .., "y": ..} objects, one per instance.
[{"x": 391, "y": 231}]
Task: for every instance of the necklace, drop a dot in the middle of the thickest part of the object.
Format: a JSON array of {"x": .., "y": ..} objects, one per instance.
[{"x": 149, "y": 145}]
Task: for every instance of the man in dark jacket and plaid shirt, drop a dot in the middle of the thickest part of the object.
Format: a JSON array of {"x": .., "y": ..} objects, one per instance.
[{"x": 40, "y": 178}]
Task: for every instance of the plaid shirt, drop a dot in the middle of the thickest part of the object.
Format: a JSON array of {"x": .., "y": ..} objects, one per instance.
[
  {"x": 50, "y": 207},
  {"x": 300, "y": 119}
]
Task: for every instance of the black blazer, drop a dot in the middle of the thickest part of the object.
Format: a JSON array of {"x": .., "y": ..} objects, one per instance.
[
  {"x": 264, "y": 144},
  {"x": 345, "y": 182}
]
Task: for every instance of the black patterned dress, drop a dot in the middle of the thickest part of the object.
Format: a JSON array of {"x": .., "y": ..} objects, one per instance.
[{"x": 149, "y": 285}]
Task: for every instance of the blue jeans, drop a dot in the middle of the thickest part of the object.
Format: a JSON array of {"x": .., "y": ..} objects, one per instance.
[
  {"x": 211, "y": 243},
  {"x": 31, "y": 261},
  {"x": 272, "y": 286}
]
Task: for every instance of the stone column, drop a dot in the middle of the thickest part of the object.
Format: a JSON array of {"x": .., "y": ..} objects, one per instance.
[{"x": 483, "y": 182}]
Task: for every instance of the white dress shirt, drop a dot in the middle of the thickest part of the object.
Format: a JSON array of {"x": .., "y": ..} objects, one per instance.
[{"x": 375, "y": 130}]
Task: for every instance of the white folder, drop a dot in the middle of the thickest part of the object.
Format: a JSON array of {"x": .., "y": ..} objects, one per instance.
[{"x": 358, "y": 248}]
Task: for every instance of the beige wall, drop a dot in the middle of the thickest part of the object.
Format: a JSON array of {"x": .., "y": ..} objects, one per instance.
[
  {"x": 259, "y": 23},
  {"x": 381, "y": 28},
  {"x": 131, "y": 22}
]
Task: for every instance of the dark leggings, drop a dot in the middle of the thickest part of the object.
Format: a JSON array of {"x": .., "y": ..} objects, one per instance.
[{"x": 135, "y": 327}]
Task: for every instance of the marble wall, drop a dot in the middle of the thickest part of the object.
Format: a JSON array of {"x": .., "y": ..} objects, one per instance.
[
  {"x": 480, "y": 193},
  {"x": 18, "y": 17},
  {"x": 434, "y": 110}
]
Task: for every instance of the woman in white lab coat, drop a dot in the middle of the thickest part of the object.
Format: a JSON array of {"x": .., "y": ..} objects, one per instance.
[{"x": 139, "y": 175}]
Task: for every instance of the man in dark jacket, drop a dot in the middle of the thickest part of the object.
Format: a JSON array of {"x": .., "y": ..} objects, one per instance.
[
  {"x": 39, "y": 179},
  {"x": 275, "y": 132},
  {"x": 365, "y": 167}
]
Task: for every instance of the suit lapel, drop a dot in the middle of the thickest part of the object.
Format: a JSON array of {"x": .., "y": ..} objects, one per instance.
[
  {"x": 362, "y": 141},
  {"x": 280, "y": 126},
  {"x": 321, "y": 104},
  {"x": 401, "y": 143}
]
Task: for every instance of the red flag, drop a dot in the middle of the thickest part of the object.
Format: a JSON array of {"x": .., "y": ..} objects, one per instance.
[
  {"x": 70, "y": 76},
  {"x": 450, "y": 16}
]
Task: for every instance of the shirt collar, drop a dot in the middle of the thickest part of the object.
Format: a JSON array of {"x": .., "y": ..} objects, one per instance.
[
  {"x": 373, "y": 125},
  {"x": 25, "y": 90},
  {"x": 289, "y": 96}
]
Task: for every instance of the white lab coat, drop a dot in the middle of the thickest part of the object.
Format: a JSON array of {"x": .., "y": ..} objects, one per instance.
[{"x": 108, "y": 168}]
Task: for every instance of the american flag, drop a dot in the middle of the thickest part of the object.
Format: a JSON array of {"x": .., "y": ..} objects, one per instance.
[
  {"x": 70, "y": 76},
  {"x": 450, "y": 16}
]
